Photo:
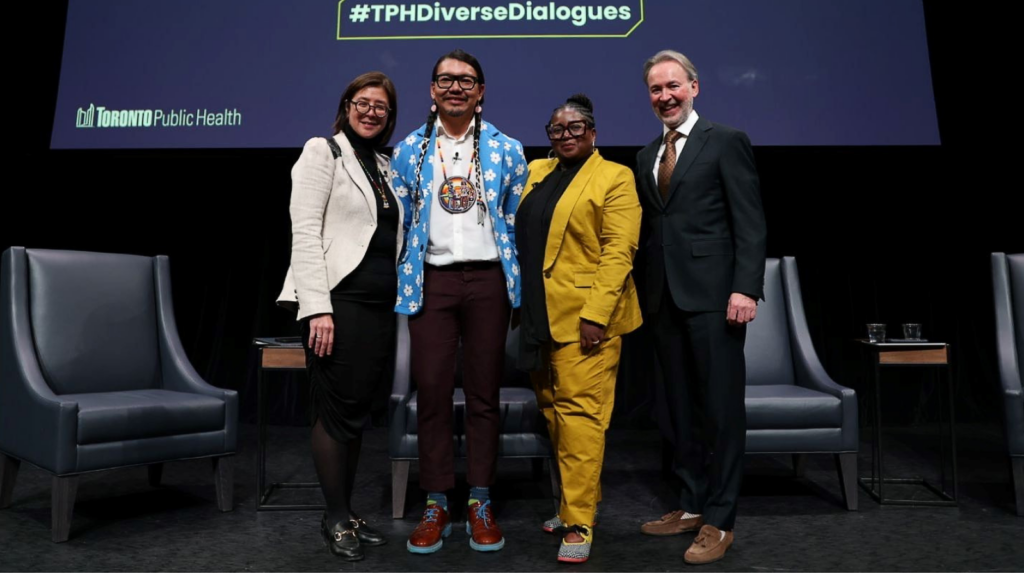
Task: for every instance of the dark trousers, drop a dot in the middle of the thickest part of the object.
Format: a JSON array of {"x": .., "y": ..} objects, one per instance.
[
  {"x": 704, "y": 376},
  {"x": 467, "y": 302}
]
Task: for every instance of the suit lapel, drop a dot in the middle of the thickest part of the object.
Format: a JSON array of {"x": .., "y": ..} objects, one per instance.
[
  {"x": 385, "y": 167},
  {"x": 646, "y": 175},
  {"x": 694, "y": 144},
  {"x": 355, "y": 172},
  {"x": 560, "y": 218},
  {"x": 486, "y": 165}
]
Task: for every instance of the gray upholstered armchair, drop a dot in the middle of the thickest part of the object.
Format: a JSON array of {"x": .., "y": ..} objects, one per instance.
[
  {"x": 793, "y": 407},
  {"x": 93, "y": 376},
  {"x": 1008, "y": 288},
  {"x": 522, "y": 432}
]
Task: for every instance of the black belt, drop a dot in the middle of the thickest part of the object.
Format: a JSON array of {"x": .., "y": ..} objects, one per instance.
[{"x": 466, "y": 266}]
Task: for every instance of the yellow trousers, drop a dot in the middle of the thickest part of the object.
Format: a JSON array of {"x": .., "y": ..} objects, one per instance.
[{"x": 576, "y": 394}]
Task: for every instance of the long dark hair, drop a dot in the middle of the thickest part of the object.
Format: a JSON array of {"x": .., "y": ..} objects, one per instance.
[{"x": 465, "y": 58}]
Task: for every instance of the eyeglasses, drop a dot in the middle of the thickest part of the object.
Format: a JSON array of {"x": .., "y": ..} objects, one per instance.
[
  {"x": 364, "y": 108},
  {"x": 445, "y": 82},
  {"x": 573, "y": 128}
]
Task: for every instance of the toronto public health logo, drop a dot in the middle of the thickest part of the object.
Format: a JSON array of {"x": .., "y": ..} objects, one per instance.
[{"x": 101, "y": 116}]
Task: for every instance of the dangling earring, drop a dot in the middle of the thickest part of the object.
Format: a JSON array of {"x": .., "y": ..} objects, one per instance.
[
  {"x": 479, "y": 109},
  {"x": 433, "y": 106},
  {"x": 551, "y": 153}
]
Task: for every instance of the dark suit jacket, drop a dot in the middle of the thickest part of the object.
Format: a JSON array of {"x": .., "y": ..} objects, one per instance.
[{"x": 707, "y": 240}]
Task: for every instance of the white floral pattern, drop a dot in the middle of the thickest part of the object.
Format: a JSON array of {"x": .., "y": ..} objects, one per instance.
[{"x": 505, "y": 174}]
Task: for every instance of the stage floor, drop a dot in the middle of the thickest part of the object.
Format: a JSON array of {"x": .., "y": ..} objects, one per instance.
[{"x": 784, "y": 523}]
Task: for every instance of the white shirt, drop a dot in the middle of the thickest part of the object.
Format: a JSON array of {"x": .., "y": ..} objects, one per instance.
[
  {"x": 684, "y": 129},
  {"x": 457, "y": 238}
]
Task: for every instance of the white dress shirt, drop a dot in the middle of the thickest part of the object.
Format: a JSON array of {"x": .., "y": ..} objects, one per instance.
[
  {"x": 684, "y": 129},
  {"x": 457, "y": 238}
]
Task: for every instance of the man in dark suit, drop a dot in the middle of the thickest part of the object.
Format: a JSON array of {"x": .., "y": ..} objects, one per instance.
[{"x": 705, "y": 253}]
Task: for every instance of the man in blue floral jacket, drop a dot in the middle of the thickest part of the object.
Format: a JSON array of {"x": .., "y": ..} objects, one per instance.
[{"x": 458, "y": 279}]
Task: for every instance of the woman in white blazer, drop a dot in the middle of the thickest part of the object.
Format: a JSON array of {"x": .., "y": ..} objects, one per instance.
[{"x": 346, "y": 236}]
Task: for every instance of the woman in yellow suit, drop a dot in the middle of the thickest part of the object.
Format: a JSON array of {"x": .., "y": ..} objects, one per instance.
[{"x": 577, "y": 229}]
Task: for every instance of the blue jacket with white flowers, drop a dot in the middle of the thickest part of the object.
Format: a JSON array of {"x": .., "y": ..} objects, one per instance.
[{"x": 503, "y": 173}]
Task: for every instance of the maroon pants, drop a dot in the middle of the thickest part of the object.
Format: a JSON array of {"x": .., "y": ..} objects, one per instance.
[{"x": 467, "y": 302}]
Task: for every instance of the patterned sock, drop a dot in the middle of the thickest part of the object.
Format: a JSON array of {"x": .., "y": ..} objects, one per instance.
[
  {"x": 481, "y": 494},
  {"x": 438, "y": 498}
]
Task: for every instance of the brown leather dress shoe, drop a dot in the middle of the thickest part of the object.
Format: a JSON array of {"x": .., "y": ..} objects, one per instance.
[
  {"x": 429, "y": 535},
  {"x": 709, "y": 546},
  {"x": 485, "y": 535},
  {"x": 672, "y": 524}
]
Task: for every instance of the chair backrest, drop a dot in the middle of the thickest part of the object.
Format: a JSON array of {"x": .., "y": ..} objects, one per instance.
[
  {"x": 767, "y": 350},
  {"x": 1016, "y": 264},
  {"x": 1008, "y": 287},
  {"x": 94, "y": 320}
]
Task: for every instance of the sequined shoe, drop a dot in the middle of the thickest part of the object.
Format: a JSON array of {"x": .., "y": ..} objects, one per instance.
[{"x": 576, "y": 552}]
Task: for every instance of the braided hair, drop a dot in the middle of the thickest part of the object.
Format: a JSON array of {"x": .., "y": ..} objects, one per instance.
[
  {"x": 477, "y": 120},
  {"x": 466, "y": 58},
  {"x": 581, "y": 104},
  {"x": 427, "y": 134}
]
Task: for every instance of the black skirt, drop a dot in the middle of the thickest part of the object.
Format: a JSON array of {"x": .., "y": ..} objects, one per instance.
[{"x": 343, "y": 384}]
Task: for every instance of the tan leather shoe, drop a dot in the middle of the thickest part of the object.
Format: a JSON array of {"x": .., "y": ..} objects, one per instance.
[
  {"x": 709, "y": 546},
  {"x": 672, "y": 524}
]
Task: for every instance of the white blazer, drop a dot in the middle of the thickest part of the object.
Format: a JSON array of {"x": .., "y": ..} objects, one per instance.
[{"x": 334, "y": 214}]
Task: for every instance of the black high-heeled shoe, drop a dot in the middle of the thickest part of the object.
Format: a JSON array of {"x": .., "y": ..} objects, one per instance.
[
  {"x": 367, "y": 535},
  {"x": 342, "y": 541}
]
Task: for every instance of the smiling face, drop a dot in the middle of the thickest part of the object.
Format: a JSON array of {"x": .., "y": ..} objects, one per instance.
[
  {"x": 571, "y": 148},
  {"x": 456, "y": 101},
  {"x": 367, "y": 124},
  {"x": 672, "y": 93}
]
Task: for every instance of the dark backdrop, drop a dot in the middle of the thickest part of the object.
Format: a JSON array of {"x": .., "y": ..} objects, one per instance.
[{"x": 889, "y": 234}]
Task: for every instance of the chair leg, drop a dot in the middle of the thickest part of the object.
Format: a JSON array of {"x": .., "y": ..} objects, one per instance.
[
  {"x": 556, "y": 483},
  {"x": 156, "y": 473},
  {"x": 224, "y": 482},
  {"x": 799, "y": 464},
  {"x": 399, "y": 484},
  {"x": 1017, "y": 474},
  {"x": 846, "y": 464},
  {"x": 62, "y": 506},
  {"x": 8, "y": 475}
]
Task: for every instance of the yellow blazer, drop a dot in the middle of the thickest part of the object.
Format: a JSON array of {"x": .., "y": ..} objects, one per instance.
[{"x": 594, "y": 234}]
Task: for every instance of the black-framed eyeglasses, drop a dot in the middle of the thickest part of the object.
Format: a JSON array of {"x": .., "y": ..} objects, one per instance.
[
  {"x": 573, "y": 128},
  {"x": 445, "y": 81},
  {"x": 364, "y": 107}
]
